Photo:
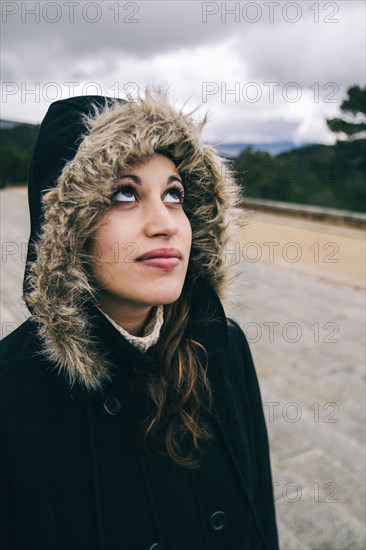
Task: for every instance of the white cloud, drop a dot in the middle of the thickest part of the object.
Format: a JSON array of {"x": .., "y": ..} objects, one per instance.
[{"x": 172, "y": 45}]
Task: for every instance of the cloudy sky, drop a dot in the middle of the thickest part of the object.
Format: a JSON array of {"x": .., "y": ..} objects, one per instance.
[{"x": 266, "y": 71}]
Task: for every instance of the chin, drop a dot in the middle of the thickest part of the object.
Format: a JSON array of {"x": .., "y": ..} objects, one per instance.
[
  {"x": 163, "y": 299},
  {"x": 162, "y": 296}
]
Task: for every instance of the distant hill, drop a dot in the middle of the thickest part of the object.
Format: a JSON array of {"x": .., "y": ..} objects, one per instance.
[
  {"x": 322, "y": 175},
  {"x": 7, "y": 124},
  {"x": 233, "y": 150},
  {"x": 12, "y": 123},
  {"x": 16, "y": 144},
  {"x": 18, "y": 138}
]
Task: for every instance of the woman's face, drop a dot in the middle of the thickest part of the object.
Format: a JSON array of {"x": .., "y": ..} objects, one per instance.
[{"x": 146, "y": 217}]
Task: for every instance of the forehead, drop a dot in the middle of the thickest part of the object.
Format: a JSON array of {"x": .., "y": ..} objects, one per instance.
[{"x": 158, "y": 162}]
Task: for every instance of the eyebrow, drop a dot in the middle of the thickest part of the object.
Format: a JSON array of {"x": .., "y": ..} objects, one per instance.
[{"x": 138, "y": 181}]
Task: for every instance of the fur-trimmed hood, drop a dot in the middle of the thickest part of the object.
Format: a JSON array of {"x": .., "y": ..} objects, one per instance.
[{"x": 83, "y": 144}]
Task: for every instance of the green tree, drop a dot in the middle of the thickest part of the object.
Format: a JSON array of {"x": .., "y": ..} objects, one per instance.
[
  {"x": 354, "y": 108},
  {"x": 16, "y": 145}
]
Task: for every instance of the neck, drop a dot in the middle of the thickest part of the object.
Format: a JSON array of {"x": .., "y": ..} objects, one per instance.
[{"x": 131, "y": 318}]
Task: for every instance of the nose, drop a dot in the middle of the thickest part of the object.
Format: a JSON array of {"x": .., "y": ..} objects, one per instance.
[{"x": 159, "y": 219}]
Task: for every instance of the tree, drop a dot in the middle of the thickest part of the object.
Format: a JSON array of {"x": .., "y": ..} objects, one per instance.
[{"x": 354, "y": 108}]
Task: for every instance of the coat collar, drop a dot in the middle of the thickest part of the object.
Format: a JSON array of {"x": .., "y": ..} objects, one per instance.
[{"x": 208, "y": 326}]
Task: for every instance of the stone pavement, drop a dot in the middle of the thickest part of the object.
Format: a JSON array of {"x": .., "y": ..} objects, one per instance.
[
  {"x": 303, "y": 284},
  {"x": 305, "y": 322}
]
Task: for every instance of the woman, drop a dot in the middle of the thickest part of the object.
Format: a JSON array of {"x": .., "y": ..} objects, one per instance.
[{"x": 131, "y": 413}]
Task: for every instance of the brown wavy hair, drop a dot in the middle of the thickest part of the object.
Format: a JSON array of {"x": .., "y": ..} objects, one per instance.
[{"x": 179, "y": 392}]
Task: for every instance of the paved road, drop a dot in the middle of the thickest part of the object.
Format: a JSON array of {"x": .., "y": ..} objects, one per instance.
[{"x": 303, "y": 285}]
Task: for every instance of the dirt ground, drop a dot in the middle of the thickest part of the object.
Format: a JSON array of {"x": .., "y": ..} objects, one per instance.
[{"x": 327, "y": 252}]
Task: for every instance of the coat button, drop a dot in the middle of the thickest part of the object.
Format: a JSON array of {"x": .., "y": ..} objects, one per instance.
[
  {"x": 155, "y": 546},
  {"x": 112, "y": 405},
  {"x": 217, "y": 521}
]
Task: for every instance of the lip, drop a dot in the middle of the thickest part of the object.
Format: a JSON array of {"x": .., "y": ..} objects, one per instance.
[
  {"x": 167, "y": 264},
  {"x": 162, "y": 254}
]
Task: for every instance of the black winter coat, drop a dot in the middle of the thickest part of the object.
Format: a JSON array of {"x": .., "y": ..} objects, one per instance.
[{"x": 72, "y": 477}]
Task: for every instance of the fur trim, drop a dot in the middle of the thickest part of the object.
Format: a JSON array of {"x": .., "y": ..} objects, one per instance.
[{"x": 116, "y": 136}]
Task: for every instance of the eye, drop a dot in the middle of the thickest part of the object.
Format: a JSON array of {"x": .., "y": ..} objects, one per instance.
[
  {"x": 177, "y": 193},
  {"x": 125, "y": 193}
]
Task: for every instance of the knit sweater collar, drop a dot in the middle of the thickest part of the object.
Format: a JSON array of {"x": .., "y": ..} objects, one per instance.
[{"x": 151, "y": 331}]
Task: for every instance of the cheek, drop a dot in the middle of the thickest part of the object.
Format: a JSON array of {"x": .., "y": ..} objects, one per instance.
[
  {"x": 100, "y": 248},
  {"x": 114, "y": 247},
  {"x": 99, "y": 245},
  {"x": 189, "y": 238},
  {"x": 187, "y": 231},
  {"x": 109, "y": 236}
]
